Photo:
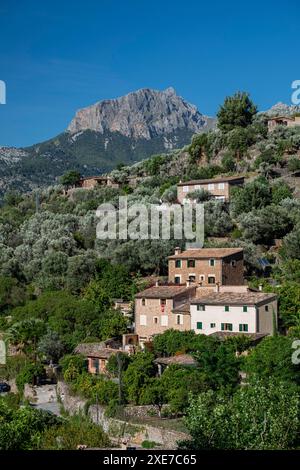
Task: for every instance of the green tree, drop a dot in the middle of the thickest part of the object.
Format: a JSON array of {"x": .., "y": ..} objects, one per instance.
[
  {"x": 260, "y": 416},
  {"x": 71, "y": 178},
  {"x": 137, "y": 375},
  {"x": 237, "y": 111}
]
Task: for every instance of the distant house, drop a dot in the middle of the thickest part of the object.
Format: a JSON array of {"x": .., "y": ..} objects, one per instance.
[
  {"x": 219, "y": 188},
  {"x": 92, "y": 182},
  {"x": 250, "y": 312},
  {"x": 207, "y": 266},
  {"x": 154, "y": 310},
  {"x": 183, "y": 360},
  {"x": 98, "y": 354},
  {"x": 287, "y": 121}
]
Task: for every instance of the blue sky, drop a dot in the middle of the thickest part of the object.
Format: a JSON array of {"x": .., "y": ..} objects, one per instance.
[{"x": 58, "y": 56}]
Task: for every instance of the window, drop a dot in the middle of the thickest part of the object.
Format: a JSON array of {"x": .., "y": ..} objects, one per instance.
[
  {"x": 226, "y": 326},
  {"x": 211, "y": 186},
  {"x": 243, "y": 327},
  {"x": 226, "y": 308},
  {"x": 201, "y": 308},
  {"x": 178, "y": 263},
  {"x": 191, "y": 263},
  {"x": 185, "y": 189},
  {"x": 163, "y": 301},
  {"x": 164, "y": 320},
  {"x": 197, "y": 187},
  {"x": 199, "y": 325},
  {"x": 211, "y": 280},
  {"x": 155, "y": 320},
  {"x": 266, "y": 308},
  {"x": 212, "y": 262},
  {"x": 202, "y": 278},
  {"x": 177, "y": 279},
  {"x": 245, "y": 308},
  {"x": 221, "y": 186},
  {"x": 233, "y": 263},
  {"x": 179, "y": 320},
  {"x": 143, "y": 320},
  {"x": 192, "y": 277},
  {"x": 143, "y": 301},
  {"x": 213, "y": 325}
]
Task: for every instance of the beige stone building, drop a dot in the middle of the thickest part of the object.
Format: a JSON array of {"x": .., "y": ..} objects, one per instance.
[
  {"x": 219, "y": 188},
  {"x": 156, "y": 310},
  {"x": 92, "y": 182},
  {"x": 207, "y": 267},
  {"x": 287, "y": 121}
]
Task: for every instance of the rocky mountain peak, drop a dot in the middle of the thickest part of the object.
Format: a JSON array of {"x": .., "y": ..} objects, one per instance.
[{"x": 142, "y": 114}]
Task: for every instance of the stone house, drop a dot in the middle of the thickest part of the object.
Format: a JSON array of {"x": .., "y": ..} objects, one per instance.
[
  {"x": 219, "y": 188},
  {"x": 288, "y": 121},
  {"x": 229, "y": 312},
  {"x": 154, "y": 310},
  {"x": 207, "y": 267},
  {"x": 92, "y": 182}
]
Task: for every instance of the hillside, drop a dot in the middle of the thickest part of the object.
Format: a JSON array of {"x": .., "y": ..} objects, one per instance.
[{"x": 127, "y": 129}]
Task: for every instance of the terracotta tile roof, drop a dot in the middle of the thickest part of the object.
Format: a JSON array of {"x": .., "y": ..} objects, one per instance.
[
  {"x": 234, "y": 298},
  {"x": 104, "y": 353},
  {"x": 229, "y": 334},
  {"x": 164, "y": 292},
  {"x": 201, "y": 253},
  {"x": 221, "y": 179},
  {"x": 180, "y": 359}
]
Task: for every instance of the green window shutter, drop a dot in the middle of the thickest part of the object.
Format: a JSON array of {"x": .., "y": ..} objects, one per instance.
[
  {"x": 240, "y": 327},
  {"x": 245, "y": 308},
  {"x": 230, "y": 326},
  {"x": 222, "y": 326},
  {"x": 245, "y": 327},
  {"x": 226, "y": 308},
  {"x": 199, "y": 325}
]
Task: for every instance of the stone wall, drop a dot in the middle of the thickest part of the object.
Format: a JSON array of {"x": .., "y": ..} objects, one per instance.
[{"x": 119, "y": 430}]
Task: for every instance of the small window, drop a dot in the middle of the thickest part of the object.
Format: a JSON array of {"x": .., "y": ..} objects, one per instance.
[
  {"x": 211, "y": 186},
  {"x": 197, "y": 187},
  {"x": 202, "y": 278},
  {"x": 199, "y": 325},
  {"x": 226, "y": 326},
  {"x": 178, "y": 320},
  {"x": 221, "y": 186},
  {"x": 226, "y": 308},
  {"x": 201, "y": 308},
  {"x": 192, "y": 277},
  {"x": 178, "y": 263},
  {"x": 185, "y": 189},
  {"x": 211, "y": 280},
  {"x": 191, "y": 263},
  {"x": 266, "y": 308},
  {"x": 212, "y": 262},
  {"x": 213, "y": 325},
  {"x": 143, "y": 320},
  {"x": 143, "y": 301},
  {"x": 233, "y": 263},
  {"x": 155, "y": 320},
  {"x": 177, "y": 279},
  {"x": 163, "y": 301},
  {"x": 245, "y": 308},
  {"x": 243, "y": 327}
]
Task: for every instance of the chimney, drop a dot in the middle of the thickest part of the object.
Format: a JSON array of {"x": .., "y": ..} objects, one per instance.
[
  {"x": 177, "y": 250},
  {"x": 260, "y": 287}
]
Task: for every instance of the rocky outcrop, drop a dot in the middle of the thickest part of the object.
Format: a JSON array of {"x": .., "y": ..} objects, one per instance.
[
  {"x": 282, "y": 109},
  {"x": 143, "y": 114}
]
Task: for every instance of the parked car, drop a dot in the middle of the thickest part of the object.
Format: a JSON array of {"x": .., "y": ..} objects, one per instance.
[{"x": 4, "y": 387}]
